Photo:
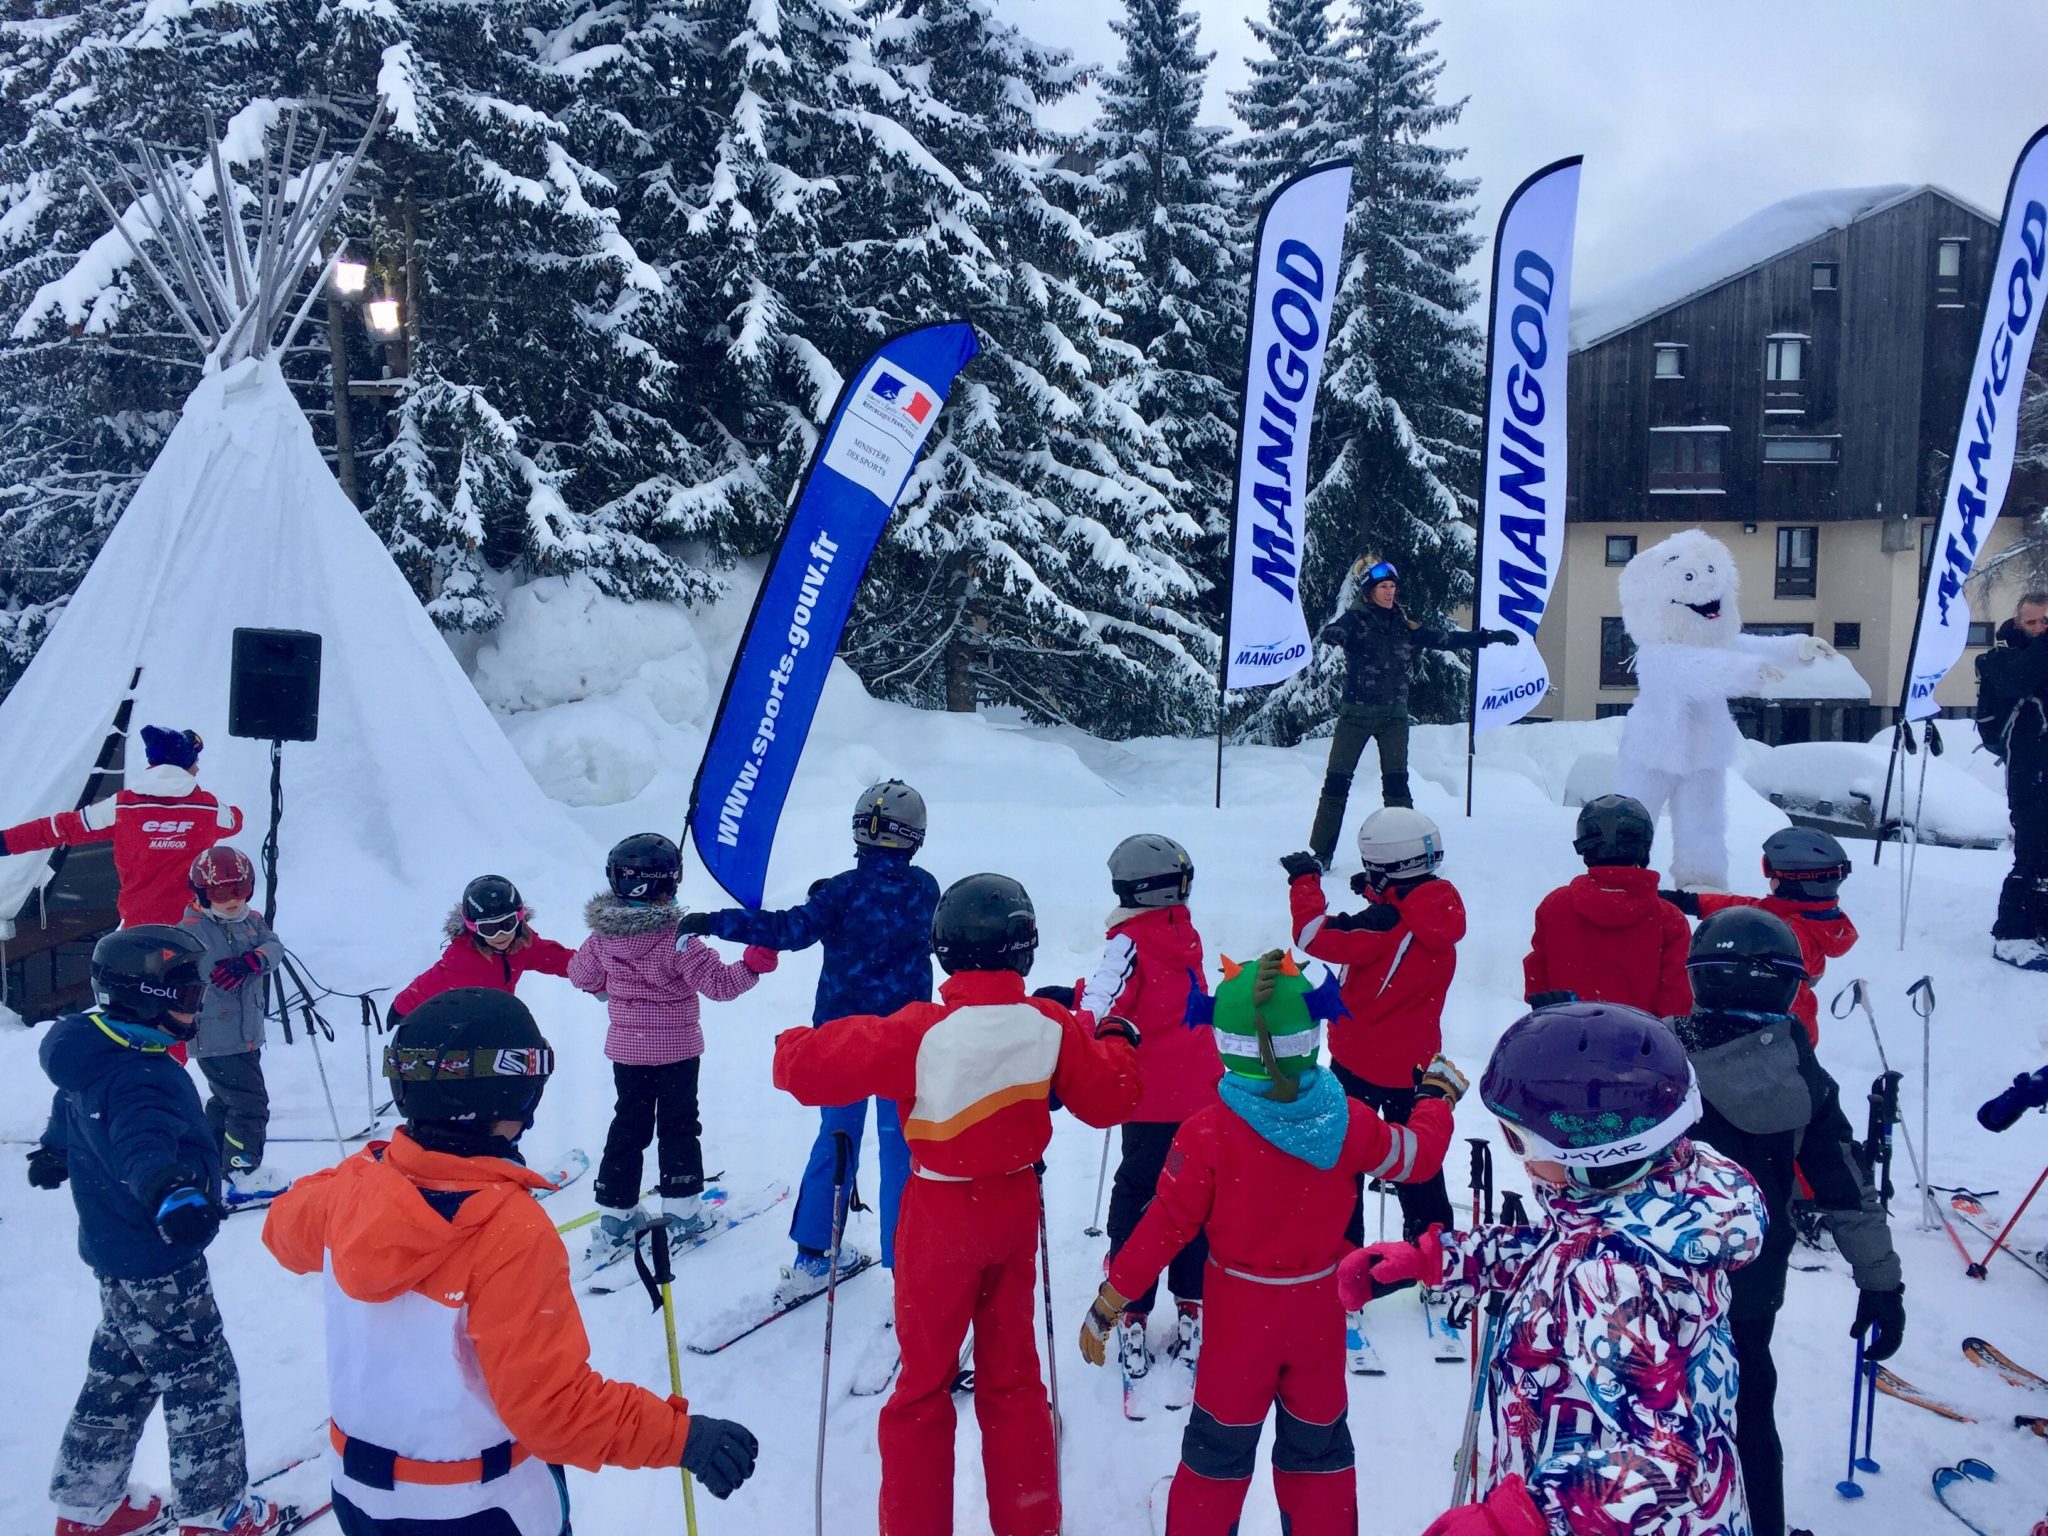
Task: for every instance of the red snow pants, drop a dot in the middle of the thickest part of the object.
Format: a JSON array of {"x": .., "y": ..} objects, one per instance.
[
  {"x": 966, "y": 1253},
  {"x": 1267, "y": 1346}
]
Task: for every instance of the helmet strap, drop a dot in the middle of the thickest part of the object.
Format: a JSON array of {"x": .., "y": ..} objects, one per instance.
[{"x": 1285, "y": 1088}]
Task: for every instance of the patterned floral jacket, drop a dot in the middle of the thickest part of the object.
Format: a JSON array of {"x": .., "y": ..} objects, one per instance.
[{"x": 1612, "y": 1374}]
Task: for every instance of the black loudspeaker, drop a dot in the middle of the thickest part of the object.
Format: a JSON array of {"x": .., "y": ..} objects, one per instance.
[{"x": 275, "y": 692}]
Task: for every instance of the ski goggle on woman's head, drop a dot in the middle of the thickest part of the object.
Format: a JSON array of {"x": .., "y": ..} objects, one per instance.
[
  {"x": 1382, "y": 571},
  {"x": 494, "y": 927}
]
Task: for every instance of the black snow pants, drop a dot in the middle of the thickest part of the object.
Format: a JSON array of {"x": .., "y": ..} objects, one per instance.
[
  {"x": 2023, "y": 900},
  {"x": 237, "y": 1107},
  {"x": 663, "y": 1097},
  {"x": 1137, "y": 1176},
  {"x": 1758, "y": 1291}
]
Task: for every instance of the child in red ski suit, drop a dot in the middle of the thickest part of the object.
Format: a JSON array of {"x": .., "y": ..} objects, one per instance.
[
  {"x": 1805, "y": 869},
  {"x": 1272, "y": 1173},
  {"x": 491, "y": 943},
  {"x": 1151, "y": 966},
  {"x": 972, "y": 1075},
  {"x": 1398, "y": 956},
  {"x": 1605, "y": 937},
  {"x": 157, "y": 828}
]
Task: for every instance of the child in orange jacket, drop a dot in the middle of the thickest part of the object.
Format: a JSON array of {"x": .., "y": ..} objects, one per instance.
[
  {"x": 1605, "y": 937},
  {"x": 1806, "y": 869},
  {"x": 973, "y": 1075},
  {"x": 458, "y": 1372}
]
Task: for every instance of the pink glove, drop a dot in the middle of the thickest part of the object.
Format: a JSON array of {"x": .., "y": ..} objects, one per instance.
[
  {"x": 759, "y": 960},
  {"x": 1508, "y": 1511},
  {"x": 1379, "y": 1267}
]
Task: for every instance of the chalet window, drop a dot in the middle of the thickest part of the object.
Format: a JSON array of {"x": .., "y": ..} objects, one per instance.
[
  {"x": 1798, "y": 553},
  {"x": 1980, "y": 634},
  {"x": 1825, "y": 276},
  {"x": 1670, "y": 360},
  {"x": 1621, "y": 548},
  {"x": 1802, "y": 450},
  {"x": 1948, "y": 271},
  {"x": 1848, "y": 637},
  {"x": 1610, "y": 711},
  {"x": 1684, "y": 459},
  {"x": 1617, "y": 656},
  {"x": 1784, "y": 375}
]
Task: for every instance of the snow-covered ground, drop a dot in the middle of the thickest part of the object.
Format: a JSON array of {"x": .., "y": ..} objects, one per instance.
[{"x": 608, "y": 707}]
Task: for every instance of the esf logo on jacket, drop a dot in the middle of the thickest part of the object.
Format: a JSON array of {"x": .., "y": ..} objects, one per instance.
[{"x": 169, "y": 826}]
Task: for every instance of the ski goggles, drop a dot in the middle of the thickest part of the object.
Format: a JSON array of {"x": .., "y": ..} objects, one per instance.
[
  {"x": 492, "y": 927},
  {"x": 1643, "y": 1142},
  {"x": 1382, "y": 571},
  {"x": 427, "y": 1063},
  {"x": 875, "y": 826}
]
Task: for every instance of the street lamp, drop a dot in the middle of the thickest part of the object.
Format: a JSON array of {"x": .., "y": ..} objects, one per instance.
[
  {"x": 383, "y": 316},
  {"x": 350, "y": 276}
]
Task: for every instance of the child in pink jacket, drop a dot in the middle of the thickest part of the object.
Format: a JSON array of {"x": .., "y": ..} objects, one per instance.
[{"x": 651, "y": 982}]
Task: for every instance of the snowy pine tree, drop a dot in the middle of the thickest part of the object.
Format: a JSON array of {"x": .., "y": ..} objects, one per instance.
[{"x": 1396, "y": 447}]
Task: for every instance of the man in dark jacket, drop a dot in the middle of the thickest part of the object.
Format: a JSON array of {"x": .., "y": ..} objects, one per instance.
[
  {"x": 875, "y": 923},
  {"x": 1380, "y": 642},
  {"x": 2012, "y": 716},
  {"x": 127, "y": 1130},
  {"x": 1770, "y": 1106}
]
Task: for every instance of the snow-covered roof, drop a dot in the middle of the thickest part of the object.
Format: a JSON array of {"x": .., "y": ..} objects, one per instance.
[
  {"x": 1765, "y": 234},
  {"x": 1835, "y": 677}
]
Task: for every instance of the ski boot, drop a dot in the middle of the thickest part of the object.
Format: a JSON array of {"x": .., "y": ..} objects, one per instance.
[
  {"x": 809, "y": 1273},
  {"x": 250, "y": 1515},
  {"x": 125, "y": 1517},
  {"x": 612, "y": 1237},
  {"x": 2027, "y": 954},
  {"x": 1184, "y": 1354},
  {"x": 1133, "y": 1349},
  {"x": 253, "y": 1181},
  {"x": 685, "y": 1218}
]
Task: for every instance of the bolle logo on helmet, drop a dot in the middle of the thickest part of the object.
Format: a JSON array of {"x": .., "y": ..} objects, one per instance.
[
  {"x": 168, "y": 826},
  {"x": 169, "y": 994}
]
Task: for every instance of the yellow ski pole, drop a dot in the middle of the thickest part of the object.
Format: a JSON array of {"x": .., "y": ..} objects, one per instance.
[{"x": 659, "y": 1278}]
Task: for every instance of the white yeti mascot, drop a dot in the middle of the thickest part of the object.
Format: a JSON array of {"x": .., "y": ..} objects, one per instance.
[{"x": 1678, "y": 604}]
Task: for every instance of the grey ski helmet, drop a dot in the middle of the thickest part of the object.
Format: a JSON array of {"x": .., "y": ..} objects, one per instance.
[
  {"x": 1149, "y": 869},
  {"x": 1614, "y": 829},
  {"x": 1397, "y": 843},
  {"x": 889, "y": 815},
  {"x": 1810, "y": 865}
]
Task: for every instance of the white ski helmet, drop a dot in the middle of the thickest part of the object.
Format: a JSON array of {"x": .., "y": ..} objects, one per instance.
[
  {"x": 889, "y": 815},
  {"x": 1397, "y": 843},
  {"x": 1149, "y": 869}
]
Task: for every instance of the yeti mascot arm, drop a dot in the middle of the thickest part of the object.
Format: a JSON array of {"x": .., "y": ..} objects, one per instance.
[{"x": 1679, "y": 606}]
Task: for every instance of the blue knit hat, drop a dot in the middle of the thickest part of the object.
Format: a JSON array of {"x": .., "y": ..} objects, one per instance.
[{"x": 178, "y": 748}]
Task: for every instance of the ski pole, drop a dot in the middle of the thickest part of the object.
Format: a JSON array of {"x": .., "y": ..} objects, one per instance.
[
  {"x": 1865, "y": 1462},
  {"x": 657, "y": 1277},
  {"x": 1921, "y": 994},
  {"x": 1848, "y": 1487},
  {"x": 1976, "y": 1271},
  {"x": 1468, "y": 1443},
  {"x": 840, "y": 1148},
  {"x": 1094, "y": 1229},
  {"x": 1052, "y": 1355}
]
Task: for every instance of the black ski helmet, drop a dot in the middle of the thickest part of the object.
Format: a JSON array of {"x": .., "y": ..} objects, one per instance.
[
  {"x": 889, "y": 815},
  {"x": 1810, "y": 865},
  {"x": 1744, "y": 960},
  {"x": 143, "y": 974},
  {"x": 645, "y": 867},
  {"x": 985, "y": 923},
  {"x": 1614, "y": 829},
  {"x": 1148, "y": 869},
  {"x": 488, "y": 900},
  {"x": 468, "y": 1057}
]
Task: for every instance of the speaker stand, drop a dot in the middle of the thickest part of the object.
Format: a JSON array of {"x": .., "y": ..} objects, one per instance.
[{"x": 270, "y": 837}]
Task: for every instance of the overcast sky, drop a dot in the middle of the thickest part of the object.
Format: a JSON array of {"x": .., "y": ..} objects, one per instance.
[{"x": 1691, "y": 116}]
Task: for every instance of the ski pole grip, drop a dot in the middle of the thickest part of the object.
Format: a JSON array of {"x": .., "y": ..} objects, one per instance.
[
  {"x": 1922, "y": 994},
  {"x": 842, "y": 1145}
]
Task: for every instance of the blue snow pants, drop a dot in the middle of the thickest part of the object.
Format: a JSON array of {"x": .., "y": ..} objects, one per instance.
[{"x": 812, "y": 1224}]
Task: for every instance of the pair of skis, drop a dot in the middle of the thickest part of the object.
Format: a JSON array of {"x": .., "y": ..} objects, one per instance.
[
  {"x": 1950, "y": 1481},
  {"x": 722, "y": 1209},
  {"x": 1179, "y": 1391}
]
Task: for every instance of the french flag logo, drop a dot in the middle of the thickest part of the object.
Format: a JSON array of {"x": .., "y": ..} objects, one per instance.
[{"x": 914, "y": 403}]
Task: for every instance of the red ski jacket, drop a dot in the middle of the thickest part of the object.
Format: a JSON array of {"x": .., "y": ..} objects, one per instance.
[
  {"x": 1150, "y": 964},
  {"x": 972, "y": 1074},
  {"x": 467, "y": 962},
  {"x": 1394, "y": 978},
  {"x": 157, "y": 829},
  {"x": 1609, "y": 938},
  {"x": 1824, "y": 932},
  {"x": 1267, "y": 1213}
]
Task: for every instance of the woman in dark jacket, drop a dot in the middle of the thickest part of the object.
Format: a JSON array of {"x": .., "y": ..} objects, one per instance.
[{"x": 1380, "y": 642}]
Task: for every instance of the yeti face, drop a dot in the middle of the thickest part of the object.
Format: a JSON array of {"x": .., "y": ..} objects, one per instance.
[{"x": 1681, "y": 591}]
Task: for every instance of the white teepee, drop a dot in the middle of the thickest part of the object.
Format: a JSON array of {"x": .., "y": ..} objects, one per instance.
[{"x": 411, "y": 787}]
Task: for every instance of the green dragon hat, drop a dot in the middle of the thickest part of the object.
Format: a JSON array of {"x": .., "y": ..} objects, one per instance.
[{"x": 1268, "y": 1019}]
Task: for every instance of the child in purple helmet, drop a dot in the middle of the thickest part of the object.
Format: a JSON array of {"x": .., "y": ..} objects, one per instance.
[{"x": 1611, "y": 1373}]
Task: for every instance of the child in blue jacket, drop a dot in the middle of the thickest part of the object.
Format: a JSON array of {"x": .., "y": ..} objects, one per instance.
[
  {"x": 875, "y": 922},
  {"x": 127, "y": 1130}
]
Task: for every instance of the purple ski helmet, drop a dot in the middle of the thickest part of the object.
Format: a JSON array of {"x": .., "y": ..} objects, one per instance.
[{"x": 1591, "y": 1085}]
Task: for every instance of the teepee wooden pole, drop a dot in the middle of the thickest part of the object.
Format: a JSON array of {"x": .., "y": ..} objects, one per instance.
[
  {"x": 234, "y": 249},
  {"x": 181, "y": 236},
  {"x": 156, "y": 275}
]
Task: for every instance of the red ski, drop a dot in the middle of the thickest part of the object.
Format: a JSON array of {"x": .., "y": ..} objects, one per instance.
[{"x": 1992, "y": 1358}]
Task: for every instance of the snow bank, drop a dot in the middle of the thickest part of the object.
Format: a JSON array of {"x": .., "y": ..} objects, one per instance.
[
  {"x": 563, "y": 639},
  {"x": 1834, "y": 677},
  {"x": 1846, "y": 778}
]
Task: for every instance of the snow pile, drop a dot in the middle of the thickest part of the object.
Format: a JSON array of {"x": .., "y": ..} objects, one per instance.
[
  {"x": 1833, "y": 677},
  {"x": 1758, "y": 238},
  {"x": 1846, "y": 778}
]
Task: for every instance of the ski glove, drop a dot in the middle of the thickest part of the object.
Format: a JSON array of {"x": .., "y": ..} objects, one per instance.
[
  {"x": 236, "y": 969},
  {"x": 759, "y": 959},
  {"x": 1381, "y": 1267},
  {"x": 692, "y": 924},
  {"x": 719, "y": 1454},
  {"x": 1299, "y": 864},
  {"x": 1441, "y": 1079},
  {"x": 1502, "y": 636},
  {"x": 1100, "y": 1323},
  {"x": 184, "y": 1214},
  {"x": 1552, "y": 998},
  {"x": 49, "y": 1167},
  {"x": 1507, "y": 1511},
  {"x": 1687, "y": 902},
  {"x": 1884, "y": 1314},
  {"x": 1379, "y": 917}
]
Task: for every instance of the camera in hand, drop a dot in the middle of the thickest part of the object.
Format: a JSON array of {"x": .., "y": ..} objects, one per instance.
[{"x": 2028, "y": 1091}]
